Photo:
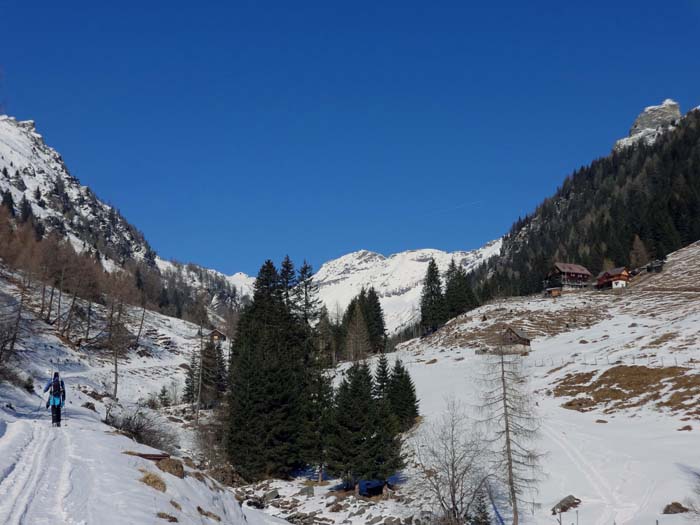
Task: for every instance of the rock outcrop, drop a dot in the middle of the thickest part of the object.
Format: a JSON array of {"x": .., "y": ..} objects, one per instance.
[{"x": 651, "y": 123}]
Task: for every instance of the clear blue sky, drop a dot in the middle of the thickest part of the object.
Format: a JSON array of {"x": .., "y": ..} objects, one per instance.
[{"x": 235, "y": 132}]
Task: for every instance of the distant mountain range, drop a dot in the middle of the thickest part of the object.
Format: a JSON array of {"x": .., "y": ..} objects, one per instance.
[{"x": 560, "y": 228}]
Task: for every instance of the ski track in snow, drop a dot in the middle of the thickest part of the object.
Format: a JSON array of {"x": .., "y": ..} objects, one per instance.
[
  {"x": 594, "y": 477},
  {"x": 31, "y": 489}
]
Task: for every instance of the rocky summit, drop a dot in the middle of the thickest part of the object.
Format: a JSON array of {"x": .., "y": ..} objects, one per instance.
[{"x": 650, "y": 123}]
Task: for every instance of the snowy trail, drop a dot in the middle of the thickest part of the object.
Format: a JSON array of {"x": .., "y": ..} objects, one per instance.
[
  {"x": 78, "y": 474},
  {"x": 596, "y": 481},
  {"x": 31, "y": 485}
]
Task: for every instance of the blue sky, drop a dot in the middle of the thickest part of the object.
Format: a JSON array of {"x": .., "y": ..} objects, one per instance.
[{"x": 234, "y": 132}]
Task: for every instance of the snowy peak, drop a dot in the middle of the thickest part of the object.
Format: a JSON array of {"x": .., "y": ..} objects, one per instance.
[
  {"x": 651, "y": 123},
  {"x": 397, "y": 278}
]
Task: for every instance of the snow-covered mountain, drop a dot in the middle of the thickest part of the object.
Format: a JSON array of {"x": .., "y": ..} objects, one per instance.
[
  {"x": 397, "y": 278},
  {"x": 31, "y": 170}
]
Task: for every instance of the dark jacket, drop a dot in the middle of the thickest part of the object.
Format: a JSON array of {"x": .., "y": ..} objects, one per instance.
[{"x": 63, "y": 389}]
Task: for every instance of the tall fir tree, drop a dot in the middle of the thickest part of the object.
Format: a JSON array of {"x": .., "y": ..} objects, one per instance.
[
  {"x": 432, "y": 302},
  {"x": 288, "y": 281},
  {"x": 318, "y": 409},
  {"x": 374, "y": 317},
  {"x": 265, "y": 419},
  {"x": 305, "y": 296},
  {"x": 386, "y": 455},
  {"x": 402, "y": 396},
  {"x": 459, "y": 296},
  {"x": 351, "y": 444},
  {"x": 191, "y": 379},
  {"x": 212, "y": 369},
  {"x": 25, "y": 210},
  {"x": 382, "y": 378}
]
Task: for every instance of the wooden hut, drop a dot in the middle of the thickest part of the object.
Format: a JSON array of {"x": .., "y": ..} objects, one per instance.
[
  {"x": 515, "y": 341},
  {"x": 217, "y": 336}
]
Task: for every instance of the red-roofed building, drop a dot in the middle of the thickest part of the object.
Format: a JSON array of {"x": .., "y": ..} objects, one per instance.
[{"x": 615, "y": 278}]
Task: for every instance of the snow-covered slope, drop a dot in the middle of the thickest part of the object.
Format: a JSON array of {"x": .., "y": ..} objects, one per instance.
[
  {"x": 617, "y": 383},
  {"x": 397, "y": 278},
  {"x": 79, "y": 473},
  {"x": 30, "y": 169}
]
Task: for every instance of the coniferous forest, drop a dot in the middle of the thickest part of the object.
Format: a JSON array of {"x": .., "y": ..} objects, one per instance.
[
  {"x": 283, "y": 413},
  {"x": 635, "y": 205}
]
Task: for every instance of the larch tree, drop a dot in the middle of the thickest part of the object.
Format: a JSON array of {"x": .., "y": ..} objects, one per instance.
[
  {"x": 357, "y": 344},
  {"x": 511, "y": 421}
]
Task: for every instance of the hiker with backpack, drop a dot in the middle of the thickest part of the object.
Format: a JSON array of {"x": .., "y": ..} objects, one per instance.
[{"x": 57, "y": 398}]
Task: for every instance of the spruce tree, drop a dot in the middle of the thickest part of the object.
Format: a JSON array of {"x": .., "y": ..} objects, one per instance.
[
  {"x": 432, "y": 306},
  {"x": 386, "y": 443},
  {"x": 382, "y": 378},
  {"x": 210, "y": 370},
  {"x": 266, "y": 406},
  {"x": 191, "y": 378},
  {"x": 163, "y": 397},
  {"x": 318, "y": 409},
  {"x": 352, "y": 442},
  {"x": 402, "y": 396},
  {"x": 25, "y": 210},
  {"x": 374, "y": 317},
  {"x": 305, "y": 296},
  {"x": 326, "y": 335},
  {"x": 481, "y": 515},
  {"x": 459, "y": 296},
  {"x": 287, "y": 277}
]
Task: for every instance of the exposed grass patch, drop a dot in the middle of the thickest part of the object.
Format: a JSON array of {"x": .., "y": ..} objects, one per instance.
[
  {"x": 668, "y": 336},
  {"x": 622, "y": 387},
  {"x": 208, "y": 514},
  {"x": 153, "y": 480}
]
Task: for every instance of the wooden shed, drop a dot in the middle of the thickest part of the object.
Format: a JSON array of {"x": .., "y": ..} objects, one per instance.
[
  {"x": 514, "y": 340},
  {"x": 217, "y": 336}
]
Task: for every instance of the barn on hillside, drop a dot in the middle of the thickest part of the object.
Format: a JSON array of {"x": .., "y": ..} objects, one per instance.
[{"x": 515, "y": 341}]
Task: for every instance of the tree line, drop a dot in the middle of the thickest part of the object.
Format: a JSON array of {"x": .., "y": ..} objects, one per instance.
[{"x": 283, "y": 412}]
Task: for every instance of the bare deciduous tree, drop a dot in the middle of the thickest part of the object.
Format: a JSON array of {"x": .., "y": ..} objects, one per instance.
[
  {"x": 512, "y": 428},
  {"x": 450, "y": 456}
]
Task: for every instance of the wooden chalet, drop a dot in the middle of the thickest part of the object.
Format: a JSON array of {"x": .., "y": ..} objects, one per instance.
[
  {"x": 217, "y": 336},
  {"x": 615, "y": 278},
  {"x": 564, "y": 276},
  {"x": 515, "y": 341}
]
